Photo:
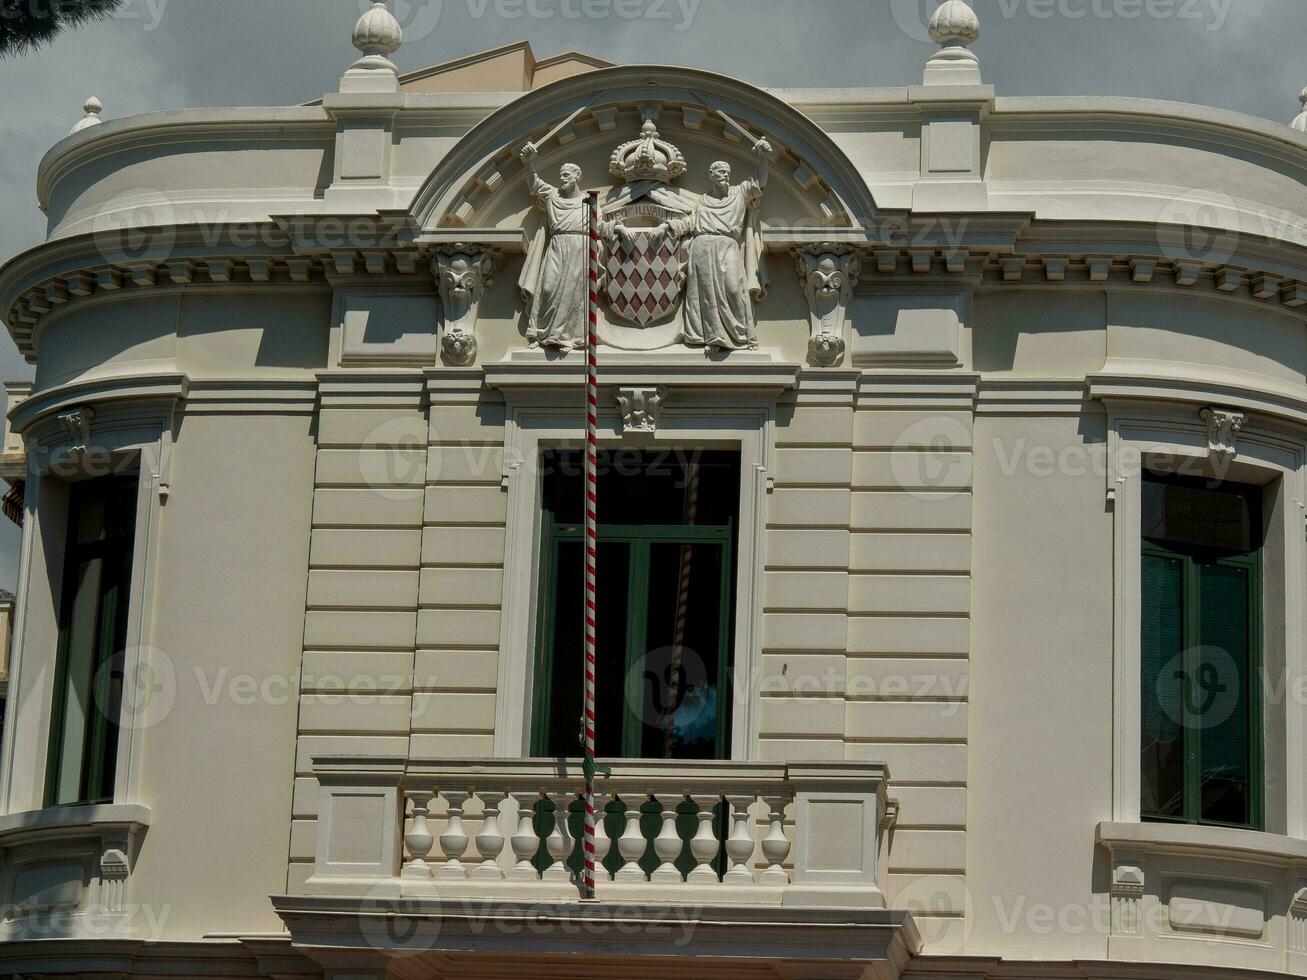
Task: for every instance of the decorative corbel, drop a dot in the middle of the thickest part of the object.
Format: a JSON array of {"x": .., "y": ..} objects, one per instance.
[
  {"x": 827, "y": 272},
  {"x": 1223, "y": 427},
  {"x": 1128, "y": 883},
  {"x": 1298, "y": 918},
  {"x": 77, "y": 424},
  {"x": 463, "y": 273},
  {"x": 1299, "y": 904},
  {"x": 640, "y": 408}
]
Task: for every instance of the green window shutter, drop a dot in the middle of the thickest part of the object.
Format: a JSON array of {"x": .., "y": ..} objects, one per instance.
[
  {"x": 1162, "y": 686},
  {"x": 1220, "y": 692}
]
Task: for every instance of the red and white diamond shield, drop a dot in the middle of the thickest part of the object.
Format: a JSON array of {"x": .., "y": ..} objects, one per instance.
[{"x": 644, "y": 278}]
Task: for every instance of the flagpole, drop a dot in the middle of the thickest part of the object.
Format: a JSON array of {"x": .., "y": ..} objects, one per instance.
[{"x": 591, "y": 538}]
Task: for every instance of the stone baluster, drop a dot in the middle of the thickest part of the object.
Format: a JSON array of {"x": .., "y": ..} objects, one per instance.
[
  {"x": 775, "y": 846},
  {"x": 705, "y": 845},
  {"x": 490, "y": 840},
  {"x": 560, "y": 841},
  {"x": 631, "y": 845},
  {"x": 668, "y": 844},
  {"x": 524, "y": 840},
  {"x": 739, "y": 844},
  {"x": 454, "y": 840},
  {"x": 418, "y": 840},
  {"x": 603, "y": 843}
]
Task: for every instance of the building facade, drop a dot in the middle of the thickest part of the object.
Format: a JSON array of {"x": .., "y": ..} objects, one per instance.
[{"x": 951, "y": 551}]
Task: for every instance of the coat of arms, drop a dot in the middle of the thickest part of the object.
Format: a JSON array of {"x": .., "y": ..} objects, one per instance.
[
  {"x": 664, "y": 248},
  {"x": 645, "y": 273},
  {"x": 645, "y": 268}
]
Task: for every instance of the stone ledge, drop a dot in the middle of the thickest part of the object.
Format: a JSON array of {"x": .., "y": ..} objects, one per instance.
[
  {"x": 335, "y": 932},
  {"x": 55, "y": 822},
  {"x": 1212, "y": 842}
]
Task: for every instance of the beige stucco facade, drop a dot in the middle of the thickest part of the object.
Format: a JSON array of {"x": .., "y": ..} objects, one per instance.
[{"x": 935, "y": 685}]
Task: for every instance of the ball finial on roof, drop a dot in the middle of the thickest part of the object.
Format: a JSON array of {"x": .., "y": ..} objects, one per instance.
[
  {"x": 954, "y": 27},
  {"x": 1300, "y": 123},
  {"x": 377, "y": 33},
  {"x": 92, "y": 107},
  {"x": 955, "y": 23}
]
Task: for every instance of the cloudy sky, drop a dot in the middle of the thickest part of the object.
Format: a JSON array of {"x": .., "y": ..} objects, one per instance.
[{"x": 157, "y": 54}]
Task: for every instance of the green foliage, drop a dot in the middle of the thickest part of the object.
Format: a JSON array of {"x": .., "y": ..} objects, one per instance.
[{"x": 25, "y": 25}]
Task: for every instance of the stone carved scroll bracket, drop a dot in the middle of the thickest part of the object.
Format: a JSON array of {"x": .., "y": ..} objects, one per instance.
[
  {"x": 463, "y": 273},
  {"x": 1223, "y": 428},
  {"x": 828, "y": 273},
  {"x": 76, "y": 424}
]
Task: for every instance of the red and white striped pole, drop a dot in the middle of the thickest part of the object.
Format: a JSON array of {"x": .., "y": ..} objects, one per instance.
[
  {"x": 682, "y": 611},
  {"x": 591, "y": 539}
]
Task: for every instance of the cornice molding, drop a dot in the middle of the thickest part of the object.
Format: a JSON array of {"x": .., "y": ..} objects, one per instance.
[
  {"x": 150, "y": 389},
  {"x": 280, "y": 124},
  {"x": 1040, "y": 396},
  {"x": 1282, "y": 403},
  {"x": 988, "y": 250},
  {"x": 270, "y": 396},
  {"x": 398, "y": 388},
  {"x": 917, "y": 390}
]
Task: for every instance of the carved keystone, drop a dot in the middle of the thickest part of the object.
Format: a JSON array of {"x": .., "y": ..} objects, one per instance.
[{"x": 640, "y": 408}]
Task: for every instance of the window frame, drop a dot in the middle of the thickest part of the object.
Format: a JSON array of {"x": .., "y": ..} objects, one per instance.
[
  {"x": 1191, "y": 582},
  {"x": 132, "y": 431},
  {"x": 720, "y": 411},
  {"x": 1149, "y": 421},
  {"x": 99, "y": 727}
]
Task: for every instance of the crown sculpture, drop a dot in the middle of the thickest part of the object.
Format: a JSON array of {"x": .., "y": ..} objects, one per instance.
[{"x": 648, "y": 158}]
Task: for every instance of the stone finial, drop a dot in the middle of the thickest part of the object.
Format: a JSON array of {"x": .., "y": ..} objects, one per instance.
[
  {"x": 954, "y": 27},
  {"x": 92, "y": 107},
  {"x": 1300, "y": 123},
  {"x": 378, "y": 35}
]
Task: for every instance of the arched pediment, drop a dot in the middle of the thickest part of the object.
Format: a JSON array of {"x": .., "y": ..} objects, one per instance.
[{"x": 481, "y": 183}]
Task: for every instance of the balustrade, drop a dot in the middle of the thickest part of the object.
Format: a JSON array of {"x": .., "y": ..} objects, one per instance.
[{"x": 752, "y": 832}]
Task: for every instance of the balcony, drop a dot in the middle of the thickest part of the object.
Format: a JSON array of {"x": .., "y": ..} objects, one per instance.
[{"x": 752, "y": 861}]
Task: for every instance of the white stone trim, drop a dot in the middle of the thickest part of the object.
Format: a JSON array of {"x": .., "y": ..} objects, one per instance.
[
  {"x": 1136, "y": 430},
  {"x": 719, "y": 411}
]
